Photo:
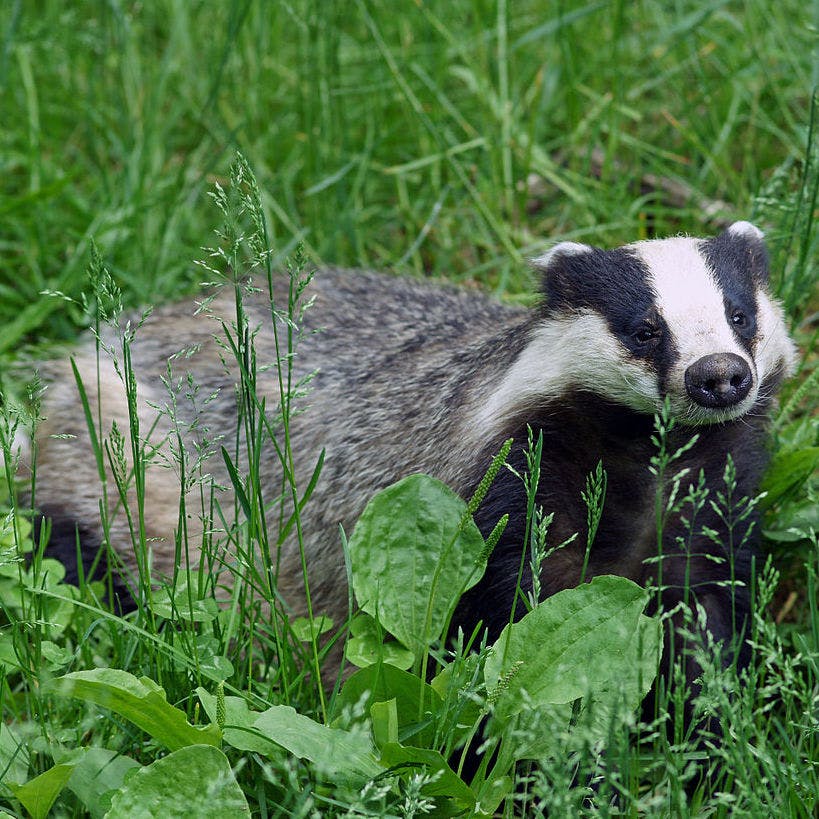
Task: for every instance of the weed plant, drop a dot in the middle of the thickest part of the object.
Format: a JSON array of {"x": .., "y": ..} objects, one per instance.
[{"x": 443, "y": 139}]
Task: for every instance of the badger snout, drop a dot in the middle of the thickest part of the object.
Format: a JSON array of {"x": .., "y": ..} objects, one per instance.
[{"x": 719, "y": 380}]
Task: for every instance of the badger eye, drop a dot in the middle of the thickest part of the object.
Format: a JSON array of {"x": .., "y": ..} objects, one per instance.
[
  {"x": 739, "y": 319},
  {"x": 645, "y": 335}
]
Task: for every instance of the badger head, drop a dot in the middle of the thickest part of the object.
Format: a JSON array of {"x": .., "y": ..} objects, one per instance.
[{"x": 687, "y": 319}]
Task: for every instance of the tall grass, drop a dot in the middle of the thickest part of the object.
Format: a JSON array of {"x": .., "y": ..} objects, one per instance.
[{"x": 449, "y": 139}]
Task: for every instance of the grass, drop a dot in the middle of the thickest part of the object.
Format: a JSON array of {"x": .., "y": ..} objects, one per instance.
[{"x": 448, "y": 140}]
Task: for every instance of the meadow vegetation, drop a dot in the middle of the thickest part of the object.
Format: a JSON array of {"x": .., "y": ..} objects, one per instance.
[{"x": 148, "y": 147}]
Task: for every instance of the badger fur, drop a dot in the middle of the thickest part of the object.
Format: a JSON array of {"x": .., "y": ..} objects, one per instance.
[{"x": 411, "y": 377}]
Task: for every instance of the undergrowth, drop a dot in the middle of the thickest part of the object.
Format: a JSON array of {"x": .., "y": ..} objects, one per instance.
[{"x": 207, "y": 669}]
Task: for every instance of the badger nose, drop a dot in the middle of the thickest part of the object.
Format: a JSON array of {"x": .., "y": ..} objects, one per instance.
[{"x": 718, "y": 380}]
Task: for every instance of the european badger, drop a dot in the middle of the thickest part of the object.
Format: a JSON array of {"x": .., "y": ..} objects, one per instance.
[{"x": 414, "y": 377}]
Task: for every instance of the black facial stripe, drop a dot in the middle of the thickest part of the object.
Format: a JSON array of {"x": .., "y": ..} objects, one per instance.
[
  {"x": 613, "y": 283},
  {"x": 747, "y": 336},
  {"x": 737, "y": 256},
  {"x": 616, "y": 285},
  {"x": 666, "y": 357},
  {"x": 740, "y": 266}
]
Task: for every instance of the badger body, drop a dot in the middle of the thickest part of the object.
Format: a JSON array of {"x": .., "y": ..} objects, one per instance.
[{"x": 413, "y": 377}]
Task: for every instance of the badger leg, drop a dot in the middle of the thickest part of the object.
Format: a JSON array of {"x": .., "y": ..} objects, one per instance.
[{"x": 79, "y": 550}]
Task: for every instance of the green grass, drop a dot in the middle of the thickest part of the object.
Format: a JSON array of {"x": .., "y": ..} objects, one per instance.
[{"x": 440, "y": 139}]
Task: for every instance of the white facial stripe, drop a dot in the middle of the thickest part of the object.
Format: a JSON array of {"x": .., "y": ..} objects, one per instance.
[
  {"x": 774, "y": 348},
  {"x": 574, "y": 351},
  {"x": 690, "y": 301}
]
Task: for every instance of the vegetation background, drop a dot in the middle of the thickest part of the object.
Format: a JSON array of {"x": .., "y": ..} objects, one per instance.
[{"x": 441, "y": 139}]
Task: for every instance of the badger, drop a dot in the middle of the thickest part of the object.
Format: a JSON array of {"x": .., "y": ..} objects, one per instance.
[{"x": 409, "y": 376}]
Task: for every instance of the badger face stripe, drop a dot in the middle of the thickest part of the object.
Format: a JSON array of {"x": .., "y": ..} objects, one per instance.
[
  {"x": 739, "y": 260},
  {"x": 702, "y": 318},
  {"x": 739, "y": 263},
  {"x": 576, "y": 351},
  {"x": 613, "y": 283},
  {"x": 616, "y": 285}
]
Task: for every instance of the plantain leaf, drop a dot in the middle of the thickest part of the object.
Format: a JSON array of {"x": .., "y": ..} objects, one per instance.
[
  {"x": 141, "y": 701},
  {"x": 578, "y": 641},
  {"x": 414, "y": 551},
  {"x": 195, "y": 781},
  {"x": 38, "y": 794}
]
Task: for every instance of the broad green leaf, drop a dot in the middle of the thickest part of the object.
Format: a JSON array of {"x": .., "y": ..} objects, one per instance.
[
  {"x": 141, "y": 701},
  {"x": 382, "y": 683},
  {"x": 205, "y": 657},
  {"x": 361, "y": 624},
  {"x": 194, "y": 782},
  {"x": 303, "y": 629},
  {"x": 216, "y": 667},
  {"x": 55, "y": 598},
  {"x": 574, "y": 643},
  {"x": 180, "y": 604},
  {"x": 797, "y": 524},
  {"x": 55, "y": 655},
  {"x": 638, "y": 668},
  {"x": 14, "y": 758},
  {"x": 10, "y": 525},
  {"x": 337, "y": 754},
  {"x": 239, "y": 730},
  {"x": 38, "y": 794},
  {"x": 384, "y": 716},
  {"x": 492, "y": 792},
  {"x": 787, "y": 472},
  {"x": 367, "y": 645},
  {"x": 368, "y": 650},
  {"x": 97, "y": 773},
  {"x": 446, "y": 784},
  {"x": 411, "y": 559},
  {"x": 51, "y": 573}
]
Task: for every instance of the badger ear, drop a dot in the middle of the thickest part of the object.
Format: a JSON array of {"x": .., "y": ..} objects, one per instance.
[
  {"x": 550, "y": 259},
  {"x": 745, "y": 230},
  {"x": 744, "y": 243},
  {"x": 561, "y": 271}
]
